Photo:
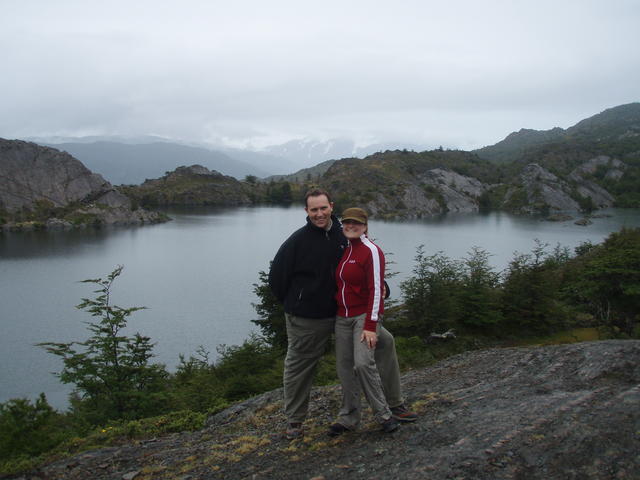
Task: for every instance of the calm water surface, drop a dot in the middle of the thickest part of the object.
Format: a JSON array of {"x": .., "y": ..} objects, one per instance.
[{"x": 195, "y": 275}]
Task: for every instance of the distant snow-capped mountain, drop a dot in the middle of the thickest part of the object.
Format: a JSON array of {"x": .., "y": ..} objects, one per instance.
[
  {"x": 308, "y": 152},
  {"x": 133, "y": 159}
]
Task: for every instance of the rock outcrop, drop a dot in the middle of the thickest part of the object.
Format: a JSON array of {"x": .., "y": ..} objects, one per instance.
[
  {"x": 31, "y": 173},
  {"x": 413, "y": 185},
  {"x": 613, "y": 169},
  {"x": 459, "y": 193},
  {"x": 58, "y": 191},
  {"x": 193, "y": 185},
  {"x": 545, "y": 413},
  {"x": 545, "y": 192}
]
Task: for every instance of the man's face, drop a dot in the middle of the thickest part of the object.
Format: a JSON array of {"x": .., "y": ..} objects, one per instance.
[{"x": 319, "y": 210}]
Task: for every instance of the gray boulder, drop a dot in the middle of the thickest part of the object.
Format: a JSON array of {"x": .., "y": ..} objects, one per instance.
[
  {"x": 545, "y": 190},
  {"x": 588, "y": 188},
  {"x": 459, "y": 193}
]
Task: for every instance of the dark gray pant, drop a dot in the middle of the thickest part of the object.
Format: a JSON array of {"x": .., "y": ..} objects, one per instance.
[
  {"x": 306, "y": 342},
  {"x": 375, "y": 372}
]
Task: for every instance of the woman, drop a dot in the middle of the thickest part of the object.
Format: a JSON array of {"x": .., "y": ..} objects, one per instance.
[{"x": 365, "y": 351}]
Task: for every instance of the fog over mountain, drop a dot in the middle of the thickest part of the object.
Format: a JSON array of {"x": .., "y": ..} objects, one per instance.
[
  {"x": 132, "y": 160},
  {"x": 252, "y": 75},
  {"x": 128, "y": 163}
]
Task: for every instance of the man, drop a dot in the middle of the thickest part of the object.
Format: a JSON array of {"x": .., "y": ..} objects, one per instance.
[{"x": 302, "y": 277}]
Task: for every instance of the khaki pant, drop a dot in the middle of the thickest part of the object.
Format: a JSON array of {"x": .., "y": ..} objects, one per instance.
[
  {"x": 306, "y": 342},
  {"x": 375, "y": 372}
]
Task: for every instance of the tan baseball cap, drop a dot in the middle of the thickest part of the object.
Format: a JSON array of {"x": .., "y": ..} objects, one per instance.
[{"x": 356, "y": 214}]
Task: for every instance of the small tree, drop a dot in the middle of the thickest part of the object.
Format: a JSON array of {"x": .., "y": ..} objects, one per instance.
[
  {"x": 431, "y": 294},
  {"x": 479, "y": 298},
  {"x": 271, "y": 313},
  {"x": 531, "y": 291},
  {"x": 111, "y": 371},
  {"x": 251, "y": 179},
  {"x": 606, "y": 278},
  {"x": 28, "y": 428}
]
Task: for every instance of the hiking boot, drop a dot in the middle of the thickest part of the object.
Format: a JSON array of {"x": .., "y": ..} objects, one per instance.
[
  {"x": 294, "y": 430},
  {"x": 390, "y": 425},
  {"x": 402, "y": 414},
  {"x": 337, "y": 429}
]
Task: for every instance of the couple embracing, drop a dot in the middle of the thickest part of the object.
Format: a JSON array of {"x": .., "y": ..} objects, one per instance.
[{"x": 330, "y": 278}]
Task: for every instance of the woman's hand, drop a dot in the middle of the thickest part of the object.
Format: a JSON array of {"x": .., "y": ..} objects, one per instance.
[{"x": 370, "y": 338}]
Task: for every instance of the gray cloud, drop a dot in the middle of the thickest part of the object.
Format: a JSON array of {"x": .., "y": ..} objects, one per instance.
[{"x": 464, "y": 74}]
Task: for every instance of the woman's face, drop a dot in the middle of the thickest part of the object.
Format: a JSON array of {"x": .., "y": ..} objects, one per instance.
[{"x": 353, "y": 229}]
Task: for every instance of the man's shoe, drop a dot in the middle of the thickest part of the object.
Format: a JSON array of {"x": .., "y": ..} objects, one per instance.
[
  {"x": 390, "y": 425},
  {"x": 337, "y": 429},
  {"x": 294, "y": 430},
  {"x": 401, "y": 414}
]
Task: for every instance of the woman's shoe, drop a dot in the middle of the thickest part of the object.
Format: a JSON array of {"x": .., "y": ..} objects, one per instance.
[
  {"x": 294, "y": 430},
  {"x": 402, "y": 414},
  {"x": 337, "y": 429},
  {"x": 390, "y": 425}
]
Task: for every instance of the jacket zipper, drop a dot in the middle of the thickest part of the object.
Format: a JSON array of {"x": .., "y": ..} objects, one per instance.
[{"x": 344, "y": 285}]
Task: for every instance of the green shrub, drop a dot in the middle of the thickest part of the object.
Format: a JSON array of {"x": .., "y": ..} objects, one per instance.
[
  {"x": 248, "y": 369},
  {"x": 431, "y": 294},
  {"x": 412, "y": 352},
  {"x": 605, "y": 279},
  {"x": 28, "y": 428}
]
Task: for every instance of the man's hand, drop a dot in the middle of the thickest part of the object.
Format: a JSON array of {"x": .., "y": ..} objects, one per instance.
[{"x": 370, "y": 338}]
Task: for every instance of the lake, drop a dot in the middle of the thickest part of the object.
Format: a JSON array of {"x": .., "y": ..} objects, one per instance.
[{"x": 195, "y": 275}]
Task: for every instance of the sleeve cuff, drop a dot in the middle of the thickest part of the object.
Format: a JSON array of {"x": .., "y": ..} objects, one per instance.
[{"x": 370, "y": 325}]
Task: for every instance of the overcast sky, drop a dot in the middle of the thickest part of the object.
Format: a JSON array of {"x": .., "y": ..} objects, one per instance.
[{"x": 461, "y": 74}]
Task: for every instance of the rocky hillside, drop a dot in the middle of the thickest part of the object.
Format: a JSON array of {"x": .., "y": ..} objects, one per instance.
[
  {"x": 547, "y": 413},
  {"x": 594, "y": 164},
  {"x": 45, "y": 188},
  {"x": 413, "y": 185},
  {"x": 194, "y": 185}
]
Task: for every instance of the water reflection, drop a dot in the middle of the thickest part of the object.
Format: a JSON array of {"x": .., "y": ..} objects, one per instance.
[{"x": 42, "y": 244}]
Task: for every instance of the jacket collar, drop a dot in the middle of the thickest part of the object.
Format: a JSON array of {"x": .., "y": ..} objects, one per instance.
[
  {"x": 335, "y": 225},
  {"x": 357, "y": 241}
]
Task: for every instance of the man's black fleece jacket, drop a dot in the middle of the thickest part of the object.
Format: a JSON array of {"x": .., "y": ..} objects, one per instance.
[{"x": 302, "y": 274}]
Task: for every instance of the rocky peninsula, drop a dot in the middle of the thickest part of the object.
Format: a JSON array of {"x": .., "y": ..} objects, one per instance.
[{"x": 44, "y": 188}]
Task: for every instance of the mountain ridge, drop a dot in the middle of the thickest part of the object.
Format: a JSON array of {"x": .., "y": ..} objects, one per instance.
[{"x": 612, "y": 123}]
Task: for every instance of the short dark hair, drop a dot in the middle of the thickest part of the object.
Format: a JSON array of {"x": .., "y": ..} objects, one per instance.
[{"x": 316, "y": 192}]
